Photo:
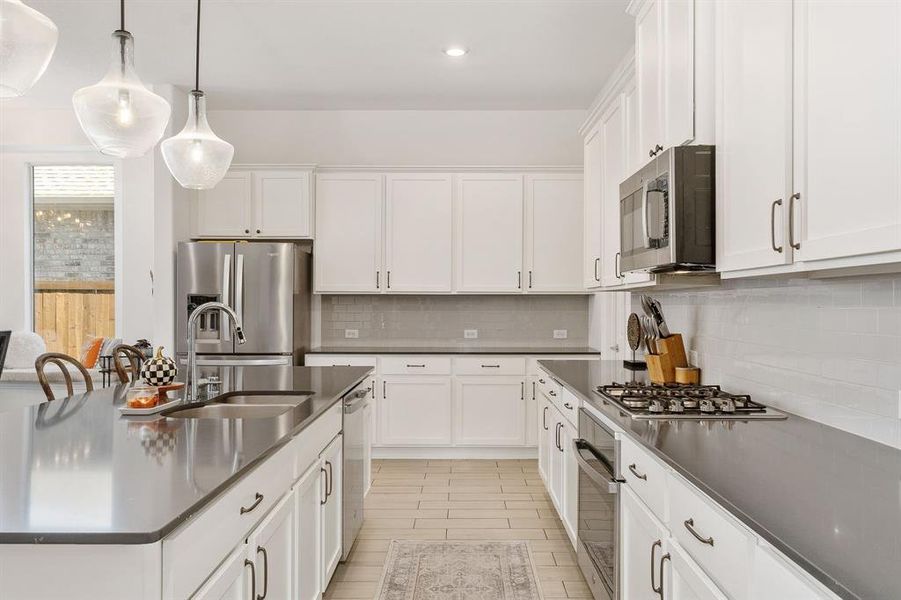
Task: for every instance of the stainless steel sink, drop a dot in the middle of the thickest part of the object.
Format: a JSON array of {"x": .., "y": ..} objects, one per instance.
[
  {"x": 261, "y": 399},
  {"x": 228, "y": 411}
]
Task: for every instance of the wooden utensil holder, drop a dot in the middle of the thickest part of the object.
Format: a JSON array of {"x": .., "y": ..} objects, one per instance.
[{"x": 670, "y": 354}]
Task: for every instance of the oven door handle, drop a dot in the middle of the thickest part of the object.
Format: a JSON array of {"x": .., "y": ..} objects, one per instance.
[{"x": 612, "y": 484}]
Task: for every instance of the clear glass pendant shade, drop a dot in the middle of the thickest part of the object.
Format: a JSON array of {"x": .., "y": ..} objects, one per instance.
[
  {"x": 27, "y": 41},
  {"x": 197, "y": 157},
  {"x": 119, "y": 115}
]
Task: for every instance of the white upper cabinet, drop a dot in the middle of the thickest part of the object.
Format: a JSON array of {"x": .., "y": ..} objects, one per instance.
[
  {"x": 554, "y": 213},
  {"x": 612, "y": 128},
  {"x": 348, "y": 253},
  {"x": 282, "y": 206},
  {"x": 255, "y": 204},
  {"x": 419, "y": 233},
  {"x": 753, "y": 133},
  {"x": 489, "y": 233},
  {"x": 678, "y": 101},
  {"x": 225, "y": 210},
  {"x": 648, "y": 68},
  {"x": 593, "y": 192},
  {"x": 847, "y": 128}
]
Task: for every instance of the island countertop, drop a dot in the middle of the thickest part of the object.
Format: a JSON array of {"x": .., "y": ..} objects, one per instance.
[
  {"x": 75, "y": 471},
  {"x": 827, "y": 499}
]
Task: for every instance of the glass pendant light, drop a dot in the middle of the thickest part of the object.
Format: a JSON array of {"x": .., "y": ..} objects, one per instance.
[
  {"x": 197, "y": 157},
  {"x": 119, "y": 115},
  {"x": 27, "y": 41}
]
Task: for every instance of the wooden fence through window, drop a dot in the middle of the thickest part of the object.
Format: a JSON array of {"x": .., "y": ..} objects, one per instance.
[{"x": 69, "y": 314}]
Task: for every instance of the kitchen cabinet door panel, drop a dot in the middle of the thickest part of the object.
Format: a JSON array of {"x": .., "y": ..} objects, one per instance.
[
  {"x": 678, "y": 71},
  {"x": 231, "y": 581},
  {"x": 642, "y": 537},
  {"x": 683, "y": 579},
  {"x": 848, "y": 128},
  {"x": 554, "y": 214},
  {"x": 224, "y": 211},
  {"x": 545, "y": 445},
  {"x": 490, "y": 411},
  {"x": 332, "y": 516},
  {"x": 308, "y": 493},
  {"x": 415, "y": 410},
  {"x": 555, "y": 458},
  {"x": 570, "y": 486},
  {"x": 348, "y": 256},
  {"x": 282, "y": 205},
  {"x": 489, "y": 232},
  {"x": 754, "y": 136},
  {"x": 273, "y": 549},
  {"x": 648, "y": 70},
  {"x": 594, "y": 197},
  {"x": 419, "y": 226},
  {"x": 614, "y": 151}
]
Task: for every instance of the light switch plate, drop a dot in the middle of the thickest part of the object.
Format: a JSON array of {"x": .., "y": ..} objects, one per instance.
[
  {"x": 560, "y": 334},
  {"x": 351, "y": 334},
  {"x": 470, "y": 334}
]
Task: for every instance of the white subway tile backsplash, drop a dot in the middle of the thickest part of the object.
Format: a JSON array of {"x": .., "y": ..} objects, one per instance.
[{"x": 829, "y": 350}]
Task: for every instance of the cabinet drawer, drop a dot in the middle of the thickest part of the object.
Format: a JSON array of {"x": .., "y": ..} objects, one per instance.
[
  {"x": 548, "y": 386},
  {"x": 416, "y": 365},
  {"x": 490, "y": 365},
  {"x": 645, "y": 476},
  {"x": 331, "y": 360},
  {"x": 720, "y": 545},
  {"x": 192, "y": 552},
  {"x": 568, "y": 405},
  {"x": 306, "y": 446}
]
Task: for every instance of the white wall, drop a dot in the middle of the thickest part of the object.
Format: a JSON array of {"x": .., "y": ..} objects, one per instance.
[{"x": 405, "y": 137}]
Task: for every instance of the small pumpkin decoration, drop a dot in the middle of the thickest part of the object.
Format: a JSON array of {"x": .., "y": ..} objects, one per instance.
[{"x": 159, "y": 370}]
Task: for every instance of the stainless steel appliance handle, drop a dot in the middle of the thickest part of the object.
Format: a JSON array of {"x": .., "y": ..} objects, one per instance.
[
  {"x": 224, "y": 326},
  {"x": 239, "y": 288},
  {"x": 240, "y": 362},
  {"x": 357, "y": 403},
  {"x": 611, "y": 485},
  {"x": 791, "y": 221},
  {"x": 644, "y": 216},
  {"x": 773, "y": 225}
]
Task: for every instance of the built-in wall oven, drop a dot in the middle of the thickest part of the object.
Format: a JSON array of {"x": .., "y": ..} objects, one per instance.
[{"x": 597, "y": 452}]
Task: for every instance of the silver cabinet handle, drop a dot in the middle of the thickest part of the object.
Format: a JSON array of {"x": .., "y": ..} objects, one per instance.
[
  {"x": 544, "y": 418},
  {"x": 552, "y": 392},
  {"x": 773, "y": 225},
  {"x": 654, "y": 587},
  {"x": 557, "y": 436},
  {"x": 791, "y": 221},
  {"x": 616, "y": 257},
  {"x": 325, "y": 479},
  {"x": 415, "y": 366},
  {"x": 530, "y": 279},
  {"x": 256, "y": 502},
  {"x": 519, "y": 280},
  {"x": 663, "y": 559},
  {"x": 261, "y": 549},
  {"x": 331, "y": 481},
  {"x": 690, "y": 526},
  {"x": 568, "y": 405},
  {"x": 597, "y": 263},
  {"x": 636, "y": 473},
  {"x": 253, "y": 578},
  {"x": 491, "y": 366}
]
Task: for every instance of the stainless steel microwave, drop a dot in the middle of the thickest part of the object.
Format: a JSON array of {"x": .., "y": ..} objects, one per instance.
[{"x": 667, "y": 213}]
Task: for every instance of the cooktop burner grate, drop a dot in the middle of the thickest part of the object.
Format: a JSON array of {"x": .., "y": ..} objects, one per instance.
[{"x": 681, "y": 401}]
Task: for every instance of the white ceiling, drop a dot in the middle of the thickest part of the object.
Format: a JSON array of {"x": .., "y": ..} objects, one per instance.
[{"x": 350, "y": 54}]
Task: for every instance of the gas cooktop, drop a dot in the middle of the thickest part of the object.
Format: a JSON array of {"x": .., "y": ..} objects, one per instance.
[{"x": 680, "y": 401}]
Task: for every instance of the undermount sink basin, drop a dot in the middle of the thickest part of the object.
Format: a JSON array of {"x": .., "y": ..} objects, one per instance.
[
  {"x": 229, "y": 411},
  {"x": 262, "y": 399}
]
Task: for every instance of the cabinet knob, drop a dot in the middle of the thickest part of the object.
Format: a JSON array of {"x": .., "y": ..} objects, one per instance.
[
  {"x": 258, "y": 231},
  {"x": 246, "y": 231}
]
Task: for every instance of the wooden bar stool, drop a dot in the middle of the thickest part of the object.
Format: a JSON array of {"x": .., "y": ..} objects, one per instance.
[
  {"x": 135, "y": 360},
  {"x": 59, "y": 359}
]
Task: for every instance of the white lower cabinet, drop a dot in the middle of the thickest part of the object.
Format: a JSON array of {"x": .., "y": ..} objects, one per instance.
[
  {"x": 415, "y": 410},
  {"x": 272, "y": 549},
  {"x": 331, "y": 469},
  {"x": 570, "y": 502},
  {"x": 555, "y": 460},
  {"x": 490, "y": 411},
  {"x": 682, "y": 579},
  {"x": 308, "y": 494},
  {"x": 642, "y": 538},
  {"x": 545, "y": 433},
  {"x": 232, "y": 580}
]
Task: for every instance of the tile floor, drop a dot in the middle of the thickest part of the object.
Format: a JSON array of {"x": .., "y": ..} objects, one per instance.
[{"x": 462, "y": 500}]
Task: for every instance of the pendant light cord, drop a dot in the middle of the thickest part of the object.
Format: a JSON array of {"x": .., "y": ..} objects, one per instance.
[
  {"x": 122, "y": 15},
  {"x": 196, "y": 52}
]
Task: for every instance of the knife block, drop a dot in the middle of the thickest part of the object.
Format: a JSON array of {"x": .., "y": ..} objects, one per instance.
[
  {"x": 660, "y": 368},
  {"x": 673, "y": 347}
]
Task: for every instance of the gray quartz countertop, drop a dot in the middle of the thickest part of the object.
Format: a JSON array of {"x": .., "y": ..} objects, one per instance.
[
  {"x": 829, "y": 500},
  {"x": 454, "y": 350},
  {"x": 77, "y": 471}
]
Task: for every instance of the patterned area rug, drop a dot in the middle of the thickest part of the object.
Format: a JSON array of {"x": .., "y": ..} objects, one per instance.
[{"x": 459, "y": 571}]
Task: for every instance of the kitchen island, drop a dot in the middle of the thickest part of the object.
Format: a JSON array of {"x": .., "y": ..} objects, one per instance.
[
  {"x": 827, "y": 500},
  {"x": 140, "y": 507}
]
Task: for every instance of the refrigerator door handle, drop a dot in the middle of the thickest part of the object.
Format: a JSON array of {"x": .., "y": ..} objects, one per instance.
[
  {"x": 239, "y": 288},
  {"x": 224, "y": 325}
]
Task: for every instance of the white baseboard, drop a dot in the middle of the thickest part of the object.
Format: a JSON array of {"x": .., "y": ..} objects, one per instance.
[{"x": 456, "y": 453}]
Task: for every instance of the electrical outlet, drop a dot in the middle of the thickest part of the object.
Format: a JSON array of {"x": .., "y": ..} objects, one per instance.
[
  {"x": 351, "y": 334},
  {"x": 560, "y": 334},
  {"x": 471, "y": 334},
  {"x": 693, "y": 358}
]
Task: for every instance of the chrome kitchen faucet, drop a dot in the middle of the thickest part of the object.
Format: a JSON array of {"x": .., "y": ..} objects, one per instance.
[{"x": 235, "y": 321}]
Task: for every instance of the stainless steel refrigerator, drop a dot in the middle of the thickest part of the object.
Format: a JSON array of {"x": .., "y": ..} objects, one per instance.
[{"x": 267, "y": 283}]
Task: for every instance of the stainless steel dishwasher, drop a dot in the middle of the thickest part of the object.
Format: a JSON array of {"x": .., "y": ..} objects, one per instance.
[{"x": 354, "y": 472}]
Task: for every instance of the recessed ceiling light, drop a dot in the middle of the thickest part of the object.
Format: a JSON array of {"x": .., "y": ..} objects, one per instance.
[{"x": 455, "y": 51}]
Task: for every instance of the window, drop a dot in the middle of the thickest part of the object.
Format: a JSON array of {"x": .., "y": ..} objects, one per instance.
[{"x": 73, "y": 255}]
